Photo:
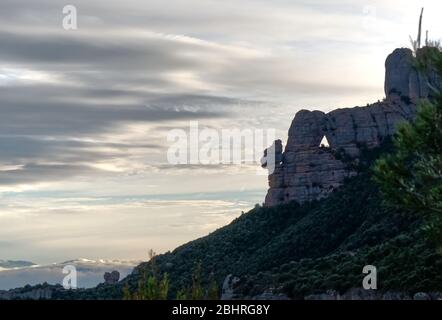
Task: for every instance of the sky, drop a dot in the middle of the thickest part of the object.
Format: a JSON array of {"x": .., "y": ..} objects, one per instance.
[{"x": 86, "y": 113}]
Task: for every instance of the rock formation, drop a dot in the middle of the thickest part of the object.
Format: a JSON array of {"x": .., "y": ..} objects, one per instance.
[
  {"x": 403, "y": 79},
  {"x": 228, "y": 290},
  {"x": 307, "y": 171},
  {"x": 111, "y": 277}
]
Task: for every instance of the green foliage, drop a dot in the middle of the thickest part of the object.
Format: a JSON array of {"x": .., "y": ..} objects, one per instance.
[
  {"x": 182, "y": 295},
  {"x": 301, "y": 249},
  {"x": 411, "y": 178},
  {"x": 150, "y": 285},
  {"x": 197, "y": 291},
  {"x": 404, "y": 264},
  {"x": 213, "y": 291},
  {"x": 311, "y": 248},
  {"x": 151, "y": 288},
  {"x": 126, "y": 293}
]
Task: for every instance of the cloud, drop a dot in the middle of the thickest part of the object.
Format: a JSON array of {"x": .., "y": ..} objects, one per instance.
[
  {"x": 31, "y": 173},
  {"x": 86, "y": 113},
  {"x": 30, "y": 111}
]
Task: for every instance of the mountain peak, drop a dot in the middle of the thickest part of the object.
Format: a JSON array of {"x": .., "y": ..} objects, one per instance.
[{"x": 308, "y": 171}]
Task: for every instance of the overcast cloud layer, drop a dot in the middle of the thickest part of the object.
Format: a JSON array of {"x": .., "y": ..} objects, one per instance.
[{"x": 84, "y": 114}]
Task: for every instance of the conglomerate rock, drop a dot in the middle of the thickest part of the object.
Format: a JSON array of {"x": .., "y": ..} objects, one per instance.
[{"x": 307, "y": 171}]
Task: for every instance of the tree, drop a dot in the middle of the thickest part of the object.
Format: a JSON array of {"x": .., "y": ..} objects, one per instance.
[
  {"x": 213, "y": 290},
  {"x": 126, "y": 292},
  {"x": 411, "y": 177},
  {"x": 150, "y": 286},
  {"x": 197, "y": 290}
]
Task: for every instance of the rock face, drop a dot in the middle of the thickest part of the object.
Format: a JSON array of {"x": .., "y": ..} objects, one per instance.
[
  {"x": 228, "y": 291},
  {"x": 402, "y": 78},
  {"x": 306, "y": 171},
  {"x": 421, "y": 296},
  {"x": 399, "y": 73}
]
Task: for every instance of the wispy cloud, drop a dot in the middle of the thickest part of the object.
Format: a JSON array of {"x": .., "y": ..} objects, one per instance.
[{"x": 84, "y": 114}]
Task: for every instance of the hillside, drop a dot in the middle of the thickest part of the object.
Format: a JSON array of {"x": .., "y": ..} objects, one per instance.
[
  {"x": 314, "y": 247},
  {"x": 298, "y": 250}
]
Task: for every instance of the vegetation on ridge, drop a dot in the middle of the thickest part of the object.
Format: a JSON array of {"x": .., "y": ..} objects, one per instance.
[
  {"x": 411, "y": 177},
  {"x": 298, "y": 250},
  {"x": 305, "y": 249}
]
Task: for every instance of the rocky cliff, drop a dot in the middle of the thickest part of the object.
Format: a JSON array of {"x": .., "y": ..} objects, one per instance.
[
  {"x": 307, "y": 169},
  {"x": 402, "y": 77}
]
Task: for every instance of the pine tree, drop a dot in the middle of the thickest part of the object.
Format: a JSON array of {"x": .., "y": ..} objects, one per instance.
[
  {"x": 213, "y": 291},
  {"x": 197, "y": 291},
  {"x": 150, "y": 286},
  {"x": 126, "y": 293}
]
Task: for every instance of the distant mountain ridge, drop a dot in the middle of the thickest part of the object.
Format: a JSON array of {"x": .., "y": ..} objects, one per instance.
[
  {"x": 11, "y": 264},
  {"x": 90, "y": 272}
]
